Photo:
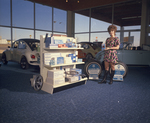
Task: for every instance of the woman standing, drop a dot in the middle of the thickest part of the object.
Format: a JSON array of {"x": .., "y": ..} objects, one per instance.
[{"x": 110, "y": 56}]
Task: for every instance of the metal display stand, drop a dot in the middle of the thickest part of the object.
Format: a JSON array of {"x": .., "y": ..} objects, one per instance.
[{"x": 39, "y": 81}]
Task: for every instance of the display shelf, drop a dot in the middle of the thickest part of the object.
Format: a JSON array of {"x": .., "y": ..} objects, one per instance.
[
  {"x": 49, "y": 66},
  {"x": 49, "y": 86},
  {"x": 63, "y": 48},
  {"x": 67, "y": 83}
]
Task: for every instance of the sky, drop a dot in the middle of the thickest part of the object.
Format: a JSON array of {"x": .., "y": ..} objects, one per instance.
[{"x": 23, "y": 16}]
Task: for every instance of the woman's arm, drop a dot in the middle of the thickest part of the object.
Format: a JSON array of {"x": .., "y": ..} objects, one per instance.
[{"x": 112, "y": 48}]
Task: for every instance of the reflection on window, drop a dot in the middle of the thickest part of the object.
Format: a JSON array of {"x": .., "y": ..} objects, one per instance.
[
  {"x": 60, "y": 22},
  {"x": 21, "y": 45},
  {"x": 38, "y": 33},
  {"x": 136, "y": 38},
  {"x": 22, "y": 33},
  {"x": 81, "y": 23},
  {"x": 98, "y": 25},
  {"x": 5, "y": 12},
  {"x": 5, "y": 33},
  {"x": 131, "y": 27},
  {"x": 22, "y": 13},
  {"x": 101, "y": 37},
  {"x": 43, "y": 16},
  {"x": 82, "y": 37}
]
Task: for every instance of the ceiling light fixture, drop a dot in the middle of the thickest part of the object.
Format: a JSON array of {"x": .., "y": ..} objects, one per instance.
[{"x": 77, "y": 1}]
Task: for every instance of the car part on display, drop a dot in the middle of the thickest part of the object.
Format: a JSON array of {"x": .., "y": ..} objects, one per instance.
[
  {"x": 24, "y": 63},
  {"x": 37, "y": 82},
  {"x": 4, "y": 60},
  {"x": 121, "y": 68},
  {"x": 93, "y": 67}
]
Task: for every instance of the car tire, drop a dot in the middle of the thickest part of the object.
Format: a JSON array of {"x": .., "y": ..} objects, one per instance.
[
  {"x": 92, "y": 64},
  {"x": 24, "y": 63},
  {"x": 88, "y": 57},
  {"x": 37, "y": 82},
  {"x": 4, "y": 59},
  {"x": 123, "y": 66}
]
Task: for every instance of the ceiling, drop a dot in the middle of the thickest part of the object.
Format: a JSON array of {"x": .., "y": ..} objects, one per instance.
[{"x": 126, "y": 12}]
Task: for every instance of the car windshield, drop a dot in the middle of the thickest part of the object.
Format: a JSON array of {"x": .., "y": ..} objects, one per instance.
[
  {"x": 33, "y": 44},
  {"x": 125, "y": 45}
]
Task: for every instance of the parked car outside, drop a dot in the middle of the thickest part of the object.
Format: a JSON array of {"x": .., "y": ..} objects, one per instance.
[
  {"x": 23, "y": 51},
  {"x": 90, "y": 50}
]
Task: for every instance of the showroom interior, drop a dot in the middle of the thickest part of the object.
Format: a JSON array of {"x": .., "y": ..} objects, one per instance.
[{"x": 86, "y": 21}]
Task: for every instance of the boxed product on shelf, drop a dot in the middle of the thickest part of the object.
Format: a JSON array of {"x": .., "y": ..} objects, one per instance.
[
  {"x": 60, "y": 60},
  {"x": 56, "y": 81},
  {"x": 78, "y": 71},
  {"x": 72, "y": 78},
  {"x": 62, "y": 46},
  {"x": 52, "y": 61},
  {"x": 55, "y": 74},
  {"x": 66, "y": 68},
  {"x": 73, "y": 57},
  {"x": 53, "y": 46},
  {"x": 49, "y": 58},
  {"x": 47, "y": 42},
  {"x": 79, "y": 60},
  {"x": 68, "y": 60}
]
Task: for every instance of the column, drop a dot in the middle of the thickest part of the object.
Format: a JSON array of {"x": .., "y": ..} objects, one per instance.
[
  {"x": 144, "y": 23},
  {"x": 70, "y": 23}
]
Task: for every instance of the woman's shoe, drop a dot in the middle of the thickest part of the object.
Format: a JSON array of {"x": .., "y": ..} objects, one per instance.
[
  {"x": 104, "y": 78},
  {"x": 111, "y": 76}
]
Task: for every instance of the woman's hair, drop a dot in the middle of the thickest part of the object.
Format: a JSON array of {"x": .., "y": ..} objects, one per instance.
[{"x": 112, "y": 27}]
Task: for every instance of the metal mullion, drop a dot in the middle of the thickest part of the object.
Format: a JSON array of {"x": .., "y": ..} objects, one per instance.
[
  {"x": 34, "y": 20},
  {"x": 90, "y": 25}
]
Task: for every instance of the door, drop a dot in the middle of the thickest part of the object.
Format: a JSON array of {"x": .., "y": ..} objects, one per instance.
[
  {"x": 133, "y": 57},
  {"x": 21, "y": 50},
  {"x": 14, "y": 51}
]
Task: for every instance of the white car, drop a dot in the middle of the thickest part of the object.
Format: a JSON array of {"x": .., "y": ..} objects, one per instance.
[
  {"x": 134, "y": 55},
  {"x": 23, "y": 51}
]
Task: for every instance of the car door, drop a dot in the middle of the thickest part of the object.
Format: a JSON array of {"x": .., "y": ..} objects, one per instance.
[
  {"x": 21, "y": 50},
  {"x": 146, "y": 57},
  {"x": 133, "y": 57},
  {"x": 14, "y": 51}
]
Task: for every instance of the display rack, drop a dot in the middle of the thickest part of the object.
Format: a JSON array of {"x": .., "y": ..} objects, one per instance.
[{"x": 49, "y": 87}]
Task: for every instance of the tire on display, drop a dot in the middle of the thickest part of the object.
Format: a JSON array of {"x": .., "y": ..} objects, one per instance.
[
  {"x": 123, "y": 68},
  {"x": 90, "y": 67},
  {"x": 38, "y": 82},
  {"x": 24, "y": 63},
  {"x": 4, "y": 60}
]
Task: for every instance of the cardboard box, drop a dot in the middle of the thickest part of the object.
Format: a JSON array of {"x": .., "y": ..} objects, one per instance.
[
  {"x": 55, "y": 74},
  {"x": 79, "y": 71},
  {"x": 60, "y": 60},
  {"x": 73, "y": 78},
  {"x": 57, "y": 81},
  {"x": 62, "y": 46}
]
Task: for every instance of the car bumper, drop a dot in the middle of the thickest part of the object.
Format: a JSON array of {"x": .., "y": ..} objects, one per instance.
[{"x": 35, "y": 63}]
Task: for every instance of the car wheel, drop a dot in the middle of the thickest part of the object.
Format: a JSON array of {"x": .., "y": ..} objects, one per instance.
[
  {"x": 4, "y": 60},
  {"x": 88, "y": 57},
  {"x": 93, "y": 67},
  {"x": 122, "y": 68},
  {"x": 37, "y": 82},
  {"x": 24, "y": 63}
]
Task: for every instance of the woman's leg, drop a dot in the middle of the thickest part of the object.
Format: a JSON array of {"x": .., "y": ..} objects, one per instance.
[
  {"x": 112, "y": 65},
  {"x": 106, "y": 72},
  {"x": 106, "y": 65}
]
